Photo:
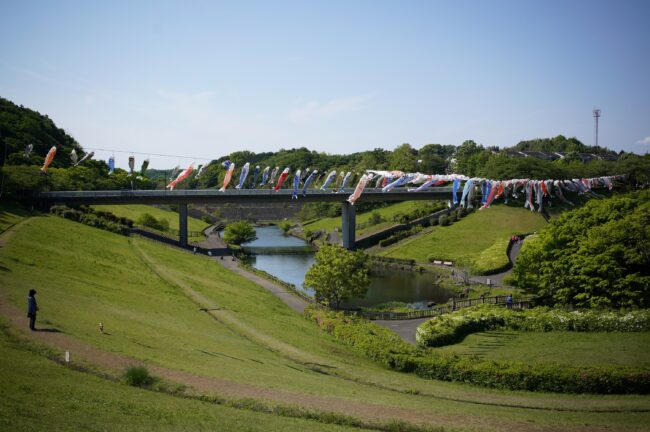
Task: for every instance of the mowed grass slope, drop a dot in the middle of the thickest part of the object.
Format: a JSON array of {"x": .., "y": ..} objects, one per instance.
[
  {"x": 464, "y": 240},
  {"x": 134, "y": 211},
  {"x": 567, "y": 348},
  {"x": 40, "y": 395},
  {"x": 149, "y": 298}
]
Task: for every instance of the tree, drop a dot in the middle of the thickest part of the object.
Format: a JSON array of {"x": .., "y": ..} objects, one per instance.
[
  {"x": 404, "y": 158},
  {"x": 239, "y": 232},
  {"x": 470, "y": 157},
  {"x": 595, "y": 256},
  {"x": 338, "y": 275}
]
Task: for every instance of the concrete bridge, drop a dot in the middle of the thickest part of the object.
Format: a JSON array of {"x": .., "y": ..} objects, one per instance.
[{"x": 212, "y": 196}]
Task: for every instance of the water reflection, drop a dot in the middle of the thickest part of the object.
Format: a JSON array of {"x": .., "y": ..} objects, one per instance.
[{"x": 385, "y": 284}]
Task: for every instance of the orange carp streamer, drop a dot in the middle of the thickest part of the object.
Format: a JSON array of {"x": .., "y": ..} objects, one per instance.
[
  {"x": 48, "y": 159},
  {"x": 182, "y": 176},
  {"x": 226, "y": 180}
]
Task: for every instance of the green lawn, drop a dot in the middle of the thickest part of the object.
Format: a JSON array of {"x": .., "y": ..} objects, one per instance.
[
  {"x": 134, "y": 211},
  {"x": 10, "y": 215},
  {"x": 330, "y": 223},
  {"x": 40, "y": 395},
  {"x": 149, "y": 297},
  {"x": 465, "y": 240},
  {"x": 570, "y": 348}
]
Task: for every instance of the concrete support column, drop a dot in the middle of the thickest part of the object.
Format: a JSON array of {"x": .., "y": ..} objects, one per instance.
[
  {"x": 348, "y": 215},
  {"x": 182, "y": 224}
]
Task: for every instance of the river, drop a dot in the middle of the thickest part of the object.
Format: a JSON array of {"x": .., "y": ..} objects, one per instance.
[{"x": 385, "y": 285}]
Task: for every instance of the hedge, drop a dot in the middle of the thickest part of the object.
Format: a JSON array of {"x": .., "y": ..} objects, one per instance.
[
  {"x": 451, "y": 328},
  {"x": 399, "y": 236},
  {"x": 388, "y": 349}
]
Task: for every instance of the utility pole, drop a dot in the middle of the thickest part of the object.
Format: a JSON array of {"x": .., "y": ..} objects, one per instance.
[{"x": 596, "y": 117}]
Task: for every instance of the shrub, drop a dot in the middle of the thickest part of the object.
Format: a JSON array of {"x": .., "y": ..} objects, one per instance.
[
  {"x": 375, "y": 218},
  {"x": 138, "y": 376},
  {"x": 147, "y": 220},
  {"x": 443, "y": 220},
  {"x": 87, "y": 216},
  {"x": 285, "y": 226}
]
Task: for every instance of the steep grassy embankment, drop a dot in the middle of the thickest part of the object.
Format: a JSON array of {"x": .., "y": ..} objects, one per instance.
[
  {"x": 465, "y": 240},
  {"x": 150, "y": 297}
]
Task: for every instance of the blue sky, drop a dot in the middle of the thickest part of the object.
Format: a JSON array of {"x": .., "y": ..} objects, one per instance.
[{"x": 204, "y": 79}]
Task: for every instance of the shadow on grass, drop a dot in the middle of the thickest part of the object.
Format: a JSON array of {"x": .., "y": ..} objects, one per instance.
[{"x": 48, "y": 330}]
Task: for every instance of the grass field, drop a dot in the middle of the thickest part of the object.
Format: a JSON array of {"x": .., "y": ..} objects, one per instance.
[
  {"x": 570, "y": 348},
  {"x": 38, "y": 394},
  {"x": 149, "y": 298},
  {"x": 330, "y": 223},
  {"x": 465, "y": 240},
  {"x": 10, "y": 215},
  {"x": 134, "y": 211}
]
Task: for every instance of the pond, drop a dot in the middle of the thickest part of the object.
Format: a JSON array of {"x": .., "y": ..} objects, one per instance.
[{"x": 385, "y": 284}]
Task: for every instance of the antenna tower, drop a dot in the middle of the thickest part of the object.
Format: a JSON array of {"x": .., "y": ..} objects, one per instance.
[{"x": 596, "y": 117}]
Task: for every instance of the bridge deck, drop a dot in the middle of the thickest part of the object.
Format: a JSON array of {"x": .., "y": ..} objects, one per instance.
[{"x": 231, "y": 196}]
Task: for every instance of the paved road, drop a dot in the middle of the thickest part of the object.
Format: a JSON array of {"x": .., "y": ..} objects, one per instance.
[{"x": 404, "y": 328}]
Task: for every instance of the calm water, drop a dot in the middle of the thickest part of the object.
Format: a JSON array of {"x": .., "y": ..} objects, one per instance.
[{"x": 385, "y": 285}]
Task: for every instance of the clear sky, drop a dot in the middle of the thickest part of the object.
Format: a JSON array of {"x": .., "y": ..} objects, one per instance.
[{"x": 207, "y": 78}]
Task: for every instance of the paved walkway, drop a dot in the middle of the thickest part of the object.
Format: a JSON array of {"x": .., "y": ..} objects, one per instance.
[{"x": 404, "y": 328}]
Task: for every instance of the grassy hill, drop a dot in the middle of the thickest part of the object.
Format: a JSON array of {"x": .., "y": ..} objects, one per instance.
[
  {"x": 41, "y": 395},
  {"x": 150, "y": 299},
  {"x": 387, "y": 213},
  {"x": 465, "y": 240}
]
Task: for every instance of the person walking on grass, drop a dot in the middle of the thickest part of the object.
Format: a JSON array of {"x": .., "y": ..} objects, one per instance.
[{"x": 32, "y": 308}]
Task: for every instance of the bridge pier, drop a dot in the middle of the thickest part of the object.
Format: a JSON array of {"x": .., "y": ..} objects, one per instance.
[
  {"x": 182, "y": 224},
  {"x": 349, "y": 219}
]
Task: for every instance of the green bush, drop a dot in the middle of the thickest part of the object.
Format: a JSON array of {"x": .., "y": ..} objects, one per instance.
[
  {"x": 451, "y": 328},
  {"x": 285, "y": 226},
  {"x": 443, "y": 220},
  {"x": 87, "y": 216},
  {"x": 388, "y": 349},
  {"x": 149, "y": 221},
  {"x": 375, "y": 218},
  {"x": 138, "y": 376}
]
